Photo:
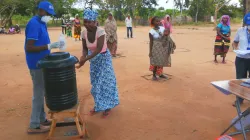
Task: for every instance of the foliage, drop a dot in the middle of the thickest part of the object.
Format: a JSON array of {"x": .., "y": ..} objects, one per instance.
[
  {"x": 204, "y": 7},
  {"x": 8, "y": 8},
  {"x": 20, "y": 11},
  {"x": 181, "y": 4},
  {"x": 207, "y": 8}
]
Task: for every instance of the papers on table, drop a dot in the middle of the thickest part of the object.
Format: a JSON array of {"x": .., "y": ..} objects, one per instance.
[{"x": 242, "y": 52}]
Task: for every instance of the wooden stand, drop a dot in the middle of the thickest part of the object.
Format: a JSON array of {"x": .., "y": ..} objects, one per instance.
[{"x": 69, "y": 113}]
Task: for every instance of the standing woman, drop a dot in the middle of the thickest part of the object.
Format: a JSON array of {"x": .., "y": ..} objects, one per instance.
[
  {"x": 222, "y": 41},
  {"x": 166, "y": 23},
  {"x": 158, "y": 53},
  {"x": 111, "y": 35},
  {"x": 77, "y": 28},
  {"x": 102, "y": 76}
]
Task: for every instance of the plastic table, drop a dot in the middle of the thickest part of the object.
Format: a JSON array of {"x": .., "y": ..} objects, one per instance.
[{"x": 226, "y": 89}]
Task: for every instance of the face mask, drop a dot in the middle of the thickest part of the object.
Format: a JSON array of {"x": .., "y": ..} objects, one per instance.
[{"x": 45, "y": 19}]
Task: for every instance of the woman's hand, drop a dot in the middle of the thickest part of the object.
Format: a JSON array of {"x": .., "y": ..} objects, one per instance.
[{"x": 81, "y": 63}]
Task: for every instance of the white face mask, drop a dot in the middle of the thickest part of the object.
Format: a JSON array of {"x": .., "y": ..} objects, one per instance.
[{"x": 45, "y": 19}]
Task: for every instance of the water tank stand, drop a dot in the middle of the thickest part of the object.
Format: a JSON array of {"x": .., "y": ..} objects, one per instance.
[{"x": 74, "y": 113}]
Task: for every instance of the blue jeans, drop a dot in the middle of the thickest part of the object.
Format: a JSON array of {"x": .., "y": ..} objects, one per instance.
[
  {"x": 37, "y": 115},
  {"x": 131, "y": 32}
]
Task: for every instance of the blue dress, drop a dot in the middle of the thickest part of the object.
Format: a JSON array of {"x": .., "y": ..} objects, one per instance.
[{"x": 103, "y": 81}]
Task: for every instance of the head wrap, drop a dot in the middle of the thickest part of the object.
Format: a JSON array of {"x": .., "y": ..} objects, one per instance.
[
  {"x": 90, "y": 14},
  {"x": 76, "y": 15},
  {"x": 228, "y": 19},
  {"x": 167, "y": 17},
  {"x": 110, "y": 13}
]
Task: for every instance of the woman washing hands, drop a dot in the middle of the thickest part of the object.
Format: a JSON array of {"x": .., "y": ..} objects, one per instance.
[{"x": 94, "y": 48}]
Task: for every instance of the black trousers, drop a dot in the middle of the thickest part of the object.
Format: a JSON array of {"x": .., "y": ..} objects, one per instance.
[
  {"x": 131, "y": 32},
  {"x": 64, "y": 30},
  {"x": 242, "y": 69}
]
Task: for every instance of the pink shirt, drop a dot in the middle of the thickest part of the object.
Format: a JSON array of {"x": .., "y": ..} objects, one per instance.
[{"x": 92, "y": 46}]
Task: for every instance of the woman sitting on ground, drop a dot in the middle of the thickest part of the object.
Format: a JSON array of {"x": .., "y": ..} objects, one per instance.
[{"x": 11, "y": 30}]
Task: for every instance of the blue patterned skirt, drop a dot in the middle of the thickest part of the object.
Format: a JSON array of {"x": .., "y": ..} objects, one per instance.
[{"x": 103, "y": 81}]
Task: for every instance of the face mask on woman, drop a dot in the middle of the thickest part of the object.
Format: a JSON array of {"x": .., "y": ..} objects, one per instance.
[{"x": 45, "y": 19}]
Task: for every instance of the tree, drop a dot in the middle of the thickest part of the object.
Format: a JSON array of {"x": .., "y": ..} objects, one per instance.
[
  {"x": 7, "y": 10},
  {"x": 200, "y": 8},
  {"x": 218, "y": 5},
  {"x": 29, "y": 7},
  {"x": 181, "y": 4}
]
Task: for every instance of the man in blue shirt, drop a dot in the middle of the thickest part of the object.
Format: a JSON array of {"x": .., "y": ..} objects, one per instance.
[{"x": 37, "y": 46}]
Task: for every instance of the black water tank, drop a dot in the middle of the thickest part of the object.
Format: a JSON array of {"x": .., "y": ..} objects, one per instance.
[{"x": 59, "y": 80}]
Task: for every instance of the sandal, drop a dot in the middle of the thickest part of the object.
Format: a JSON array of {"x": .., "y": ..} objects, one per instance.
[
  {"x": 46, "y": 123},
  {"x": 163, "y": 76},
  {"x": 41, "y": 129},
  {"x": 106, "y": 113},
  {"x": 92, "y": 112},
  {"x": 155, "y": 78}
]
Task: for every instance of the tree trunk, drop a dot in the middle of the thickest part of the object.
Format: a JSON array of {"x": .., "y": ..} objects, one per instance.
[
  {"x": 197, "y": 11},
  {"x": 215, "y": 16}
]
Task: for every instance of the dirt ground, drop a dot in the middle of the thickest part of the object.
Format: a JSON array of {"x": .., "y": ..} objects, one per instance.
[{"x": 186, "y": 107}]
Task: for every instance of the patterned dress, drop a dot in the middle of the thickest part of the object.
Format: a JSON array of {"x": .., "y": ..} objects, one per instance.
[
  {"x": 77, "y": 29},
  {"x": 163, "y": 47},
  {"x": 104, "y": 87},
  {"x": 111, "y": 35},
  {"x": 221, "y": 45}
]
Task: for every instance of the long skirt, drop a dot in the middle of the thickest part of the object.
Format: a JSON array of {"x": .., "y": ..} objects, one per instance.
[
  {"x": 77, "y": 32},
  {"x": 112, "y": 47},
  {"x": 160, "y": 57},
  {"x": 221, "y": 46},
  {"x": 104, "y": 87}
]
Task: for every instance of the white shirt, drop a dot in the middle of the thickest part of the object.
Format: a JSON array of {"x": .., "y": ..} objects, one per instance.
[
  {"x": 155, "y": 34},
  {"x": 128, "y": 22},
  {"x": 241, "y": 37}
]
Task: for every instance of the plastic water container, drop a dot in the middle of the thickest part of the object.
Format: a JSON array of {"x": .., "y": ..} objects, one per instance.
[
  {"x": 59, "y": 80},
  {"x": 62, "y": 41}
]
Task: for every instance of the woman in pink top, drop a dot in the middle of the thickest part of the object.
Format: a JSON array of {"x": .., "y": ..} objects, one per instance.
[
  {"x": 102, "y": 76},
  {"x": 166, "y": 23}
]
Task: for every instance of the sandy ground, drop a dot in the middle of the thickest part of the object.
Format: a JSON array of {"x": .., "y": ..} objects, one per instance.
[{"x": 185, "y": 107}]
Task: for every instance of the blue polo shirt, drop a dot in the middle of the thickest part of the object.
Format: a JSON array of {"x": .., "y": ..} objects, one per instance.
[{"x": 36, "y": 30}]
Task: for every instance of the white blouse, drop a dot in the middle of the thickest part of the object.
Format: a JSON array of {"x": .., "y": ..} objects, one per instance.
[{"x": 155, "y": 34}]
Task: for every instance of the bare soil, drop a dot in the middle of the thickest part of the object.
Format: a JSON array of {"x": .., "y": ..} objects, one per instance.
[{"x": 186, "y": 107}]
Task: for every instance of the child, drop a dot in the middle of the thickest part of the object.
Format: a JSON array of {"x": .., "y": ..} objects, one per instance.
[
  {"x": 69, "y": 30},
  {"x": 168, "y": 42}
]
